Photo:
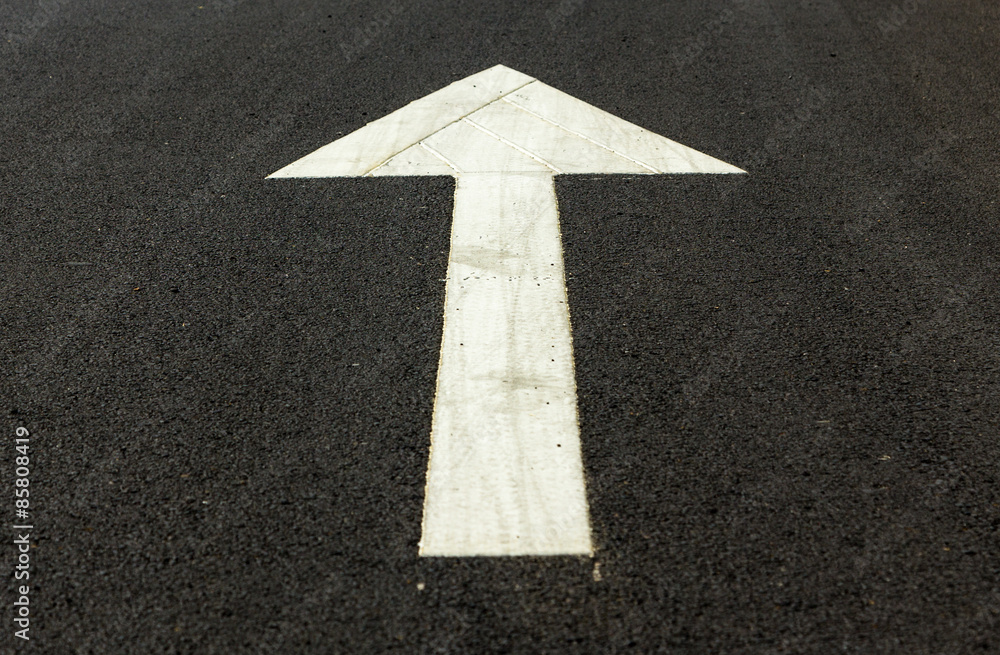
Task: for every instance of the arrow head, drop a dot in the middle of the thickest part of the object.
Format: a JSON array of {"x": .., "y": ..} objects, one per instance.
[{"x": 501, "y": 121}]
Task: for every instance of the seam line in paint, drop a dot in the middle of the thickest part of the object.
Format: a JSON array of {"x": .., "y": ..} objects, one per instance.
[
  {"x": 439, "y": 156},
  {"x": 450, "y": 124},
  {"x": 511, "y": 144},
  {"x": 582, "y": 136}
]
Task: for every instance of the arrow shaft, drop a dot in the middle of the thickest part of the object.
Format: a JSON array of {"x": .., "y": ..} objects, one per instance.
[{"x": 505, "y": 475}]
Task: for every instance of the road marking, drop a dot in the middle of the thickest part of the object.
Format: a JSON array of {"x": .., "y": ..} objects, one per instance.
[
  {"x": 505, "y": 475},
  {"x": 361, "y": 151}
]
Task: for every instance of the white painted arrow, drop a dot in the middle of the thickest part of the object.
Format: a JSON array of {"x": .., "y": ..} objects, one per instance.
[{"x": 505, "y": 475}]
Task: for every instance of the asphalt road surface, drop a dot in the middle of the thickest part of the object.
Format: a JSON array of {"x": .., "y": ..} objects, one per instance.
[{"x": 787, "y": 381}]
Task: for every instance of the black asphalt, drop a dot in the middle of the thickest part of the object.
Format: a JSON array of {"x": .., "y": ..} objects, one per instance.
[{"x": 788, "y": 381}]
